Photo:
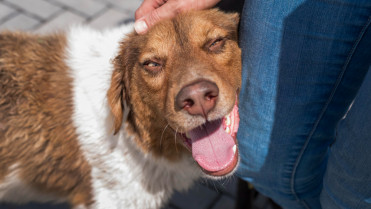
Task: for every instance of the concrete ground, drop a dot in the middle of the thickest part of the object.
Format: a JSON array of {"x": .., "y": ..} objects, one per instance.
[{"x": 44, "y": 16}]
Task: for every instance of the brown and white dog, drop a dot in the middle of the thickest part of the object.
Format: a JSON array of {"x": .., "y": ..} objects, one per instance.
[{"x": 113, "y": 119}]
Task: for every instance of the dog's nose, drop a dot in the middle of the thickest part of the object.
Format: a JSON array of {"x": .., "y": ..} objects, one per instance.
[{"x": 198, "y": 98}]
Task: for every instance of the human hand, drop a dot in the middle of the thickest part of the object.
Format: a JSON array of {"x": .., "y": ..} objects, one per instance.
[{"x": 152, "y": 11}]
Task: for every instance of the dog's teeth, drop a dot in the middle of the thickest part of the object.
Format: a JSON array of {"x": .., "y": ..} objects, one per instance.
[
  {"x": 234, "y": 148},
  {"x": 227, "y": 121},
  {"x": 187, "y": 135},
  {"x": 228, "y": 130}
]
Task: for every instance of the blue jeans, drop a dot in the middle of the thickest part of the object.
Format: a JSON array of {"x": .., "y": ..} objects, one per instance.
[{"x": 305, "y": 102}]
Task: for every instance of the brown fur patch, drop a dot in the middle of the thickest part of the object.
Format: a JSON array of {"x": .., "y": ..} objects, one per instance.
[
  {"x": 37, "y": 132},
  {"x": 181, "y": 46}
]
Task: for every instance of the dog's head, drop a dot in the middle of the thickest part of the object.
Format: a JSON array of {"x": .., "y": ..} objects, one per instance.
[{"x": 181, "y": 81}]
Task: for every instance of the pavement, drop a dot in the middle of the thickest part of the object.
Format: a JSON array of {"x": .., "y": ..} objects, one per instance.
[
  {"x": 49, "y": 15},
  {"x": 45, "y": 16}
]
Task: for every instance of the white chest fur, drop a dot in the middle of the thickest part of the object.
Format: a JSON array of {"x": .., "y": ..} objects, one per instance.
[{"x": 122, "y": 176}]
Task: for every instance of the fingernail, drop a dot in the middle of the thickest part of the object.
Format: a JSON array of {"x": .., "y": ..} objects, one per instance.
[{"x": 140, "y": 26}]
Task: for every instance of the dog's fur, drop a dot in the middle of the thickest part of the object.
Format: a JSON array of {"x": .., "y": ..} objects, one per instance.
[{"x": 64, "y": 98}]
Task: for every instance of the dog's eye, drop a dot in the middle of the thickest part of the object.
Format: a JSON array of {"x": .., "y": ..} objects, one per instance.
[
  {"x": 216, "y": 45},
  {"x": 152, "y": 66}
]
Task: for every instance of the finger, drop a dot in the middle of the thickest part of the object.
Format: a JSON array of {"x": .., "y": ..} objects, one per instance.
[
  {"x": 147, "y": 6},
  {"x": 166, "y": 11}
]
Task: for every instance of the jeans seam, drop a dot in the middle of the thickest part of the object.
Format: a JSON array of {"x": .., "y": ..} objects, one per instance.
[{"x": 340, "y": 77}]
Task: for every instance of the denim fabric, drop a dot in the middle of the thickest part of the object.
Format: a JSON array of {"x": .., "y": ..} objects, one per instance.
[{"x": 303, "y": 65}]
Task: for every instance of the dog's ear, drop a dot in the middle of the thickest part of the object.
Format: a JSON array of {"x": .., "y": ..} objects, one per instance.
[
  {"x": 233, "y": 19},
  {"x": 116, "y": 93},
  {"x": 228, "y": 21},
  {"x": 119, "y": 91}
]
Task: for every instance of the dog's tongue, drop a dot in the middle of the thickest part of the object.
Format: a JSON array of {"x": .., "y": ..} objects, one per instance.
[{"x": 212, "y": 147}]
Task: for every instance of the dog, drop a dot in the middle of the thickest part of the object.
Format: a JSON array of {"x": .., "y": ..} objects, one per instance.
[{"x": 114, "y": 119}]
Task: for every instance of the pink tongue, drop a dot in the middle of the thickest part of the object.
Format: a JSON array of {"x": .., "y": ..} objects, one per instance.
[{"x": 212, "y": 147}]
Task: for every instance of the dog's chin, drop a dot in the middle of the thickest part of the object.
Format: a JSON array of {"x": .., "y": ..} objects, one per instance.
[{"x": 214, "y": 146}]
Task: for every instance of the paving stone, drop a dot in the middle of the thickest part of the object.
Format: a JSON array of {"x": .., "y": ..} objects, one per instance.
[
  {"x": 224, "y": 203},
  {"x": 86, "y": 7},
  {"x": 41, "y": 8},
  {"x": 19, "y": 22},
  {"x": 5, "y": 11},
  {"x": 62, "y": 21},
  {"x": 128, "y": 5},
  {"x": 198, "y": 197},
  {"x": 109, "y": 18}
]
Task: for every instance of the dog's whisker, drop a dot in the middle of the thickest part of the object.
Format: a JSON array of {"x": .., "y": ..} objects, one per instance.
[
  {"x": 176, "y": 132},
  {"x": 163, "y": 135},
  {"x": 215, "y": 186}
]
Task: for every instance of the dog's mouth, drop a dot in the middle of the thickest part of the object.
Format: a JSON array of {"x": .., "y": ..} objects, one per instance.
[{"x": 214, "y": 145}]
